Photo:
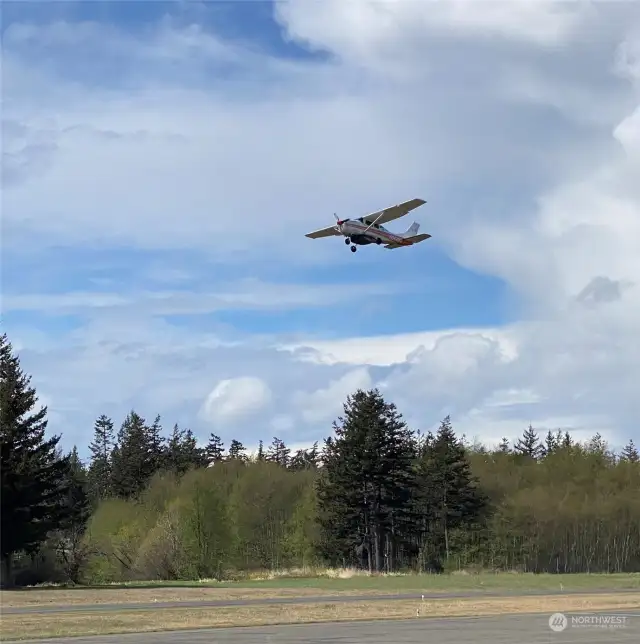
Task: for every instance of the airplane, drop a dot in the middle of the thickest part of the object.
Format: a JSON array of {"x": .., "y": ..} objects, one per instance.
[{"x": 369, "y": 230}]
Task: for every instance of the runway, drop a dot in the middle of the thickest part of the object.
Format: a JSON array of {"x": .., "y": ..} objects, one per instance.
[
  {"x": 220, "y": 603},
  {"x": 523, "y": 629}
]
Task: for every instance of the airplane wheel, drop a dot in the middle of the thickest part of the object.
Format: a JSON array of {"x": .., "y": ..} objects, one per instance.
[
  {"x": 378, "y": 241},
  {"x": 346, "y": 241},
  {"x": 353, "y": 249}
]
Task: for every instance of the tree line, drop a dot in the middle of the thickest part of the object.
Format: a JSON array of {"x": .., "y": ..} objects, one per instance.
[{"x": 376, "y": 495}]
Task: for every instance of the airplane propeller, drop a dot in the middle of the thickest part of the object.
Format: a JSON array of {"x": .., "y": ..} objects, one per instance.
[{"x": 339, "y": 221}]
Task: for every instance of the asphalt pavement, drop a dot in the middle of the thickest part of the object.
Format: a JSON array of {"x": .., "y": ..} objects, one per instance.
[
  {"x": 219, "y": 603},
  {"x": 520, "y": 629}
]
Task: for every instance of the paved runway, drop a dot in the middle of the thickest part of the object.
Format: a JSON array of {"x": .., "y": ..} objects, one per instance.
[
  {"x": 218, "y": 603},
  {"x": 520, "y": 629}
]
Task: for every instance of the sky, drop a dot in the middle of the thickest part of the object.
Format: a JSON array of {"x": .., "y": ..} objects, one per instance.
[{"x": 162, "y": 163}]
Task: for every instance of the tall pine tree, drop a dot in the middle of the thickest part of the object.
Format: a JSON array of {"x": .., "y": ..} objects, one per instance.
[
  {"x": 630, "y": 452},
  {"x": 278, "y": 452},
  {"x": 157, "y": 448},
  {"x": 99, "y": 474},
  {"x": 364, "y": 493},
  {"x": 529, "y": 444},
  {"x": 214, "y": 449},
  {"x": 237, "y": 451},
  {"x": 450, "y": 497},
  {"x": 132, "y": 462},
  {"x": 33, "y": 474},
  {"x": 305, "y": 459},
  {"x": 70, "y": 544}
]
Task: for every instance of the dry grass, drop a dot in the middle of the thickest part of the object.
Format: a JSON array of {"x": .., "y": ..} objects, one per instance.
[
  {"x": 73, "y": 624},
  {"x": 63, "y": 597}
]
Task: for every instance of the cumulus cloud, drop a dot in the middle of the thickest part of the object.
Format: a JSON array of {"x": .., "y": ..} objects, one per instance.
[
  {"x": 323, "y": 405},
  {"x": 494, "y": 112},
  {"x": 235, "y": 398}
]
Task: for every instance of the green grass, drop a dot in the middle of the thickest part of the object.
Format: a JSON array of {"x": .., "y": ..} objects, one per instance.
[{"x": 398, "y": 583}]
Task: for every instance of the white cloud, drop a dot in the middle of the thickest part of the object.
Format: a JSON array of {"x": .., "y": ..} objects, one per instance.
[
  {"x": 235, "y": 398},
  {"x": 363, "y": 31},
  {"x": 248, "y": 294},
  {"x": 323, "y": 405},
  {"x": 495, "y": 113}
]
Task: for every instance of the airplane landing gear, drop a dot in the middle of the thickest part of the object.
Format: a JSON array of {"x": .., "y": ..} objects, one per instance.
[
  {"x": 353, "y": 249},
  {"x": 347, "y": 241}
]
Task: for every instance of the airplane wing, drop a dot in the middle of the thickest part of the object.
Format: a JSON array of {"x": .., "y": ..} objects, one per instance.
[
  {"x": 323, "y": 232},
  {"x": 394, "y": 212}
]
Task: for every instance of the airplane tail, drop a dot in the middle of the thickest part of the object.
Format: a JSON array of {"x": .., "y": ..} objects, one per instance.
[{"x": 412, "y": 230}]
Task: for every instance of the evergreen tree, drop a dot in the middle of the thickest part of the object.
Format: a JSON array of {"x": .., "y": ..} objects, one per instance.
[
  {"x": 33, "y": 474},
  {"x": 237, "y": 451},
  {"x": 630, "y": 452},
  {"x": 214, "y": 449},
  {"x": 305, "y": 459},
  {"x": 132, "y": 463},
  {"x": 364, "y": 494},
  {"x": 550, "y": 443},
  {"x": 69, "y": 542},
  {"x": 183, "y": 452},
  {"x": 278, "y": 452},
  {"x": 451, "y": 498},
  {"x": 529, "y": 444},
  {"x": 260, "y": 456},
  {"x": 195, "y": 456},
  {"x": 99, "y": 474},
  {"x": 156, "y": 446},
  {"x": 504, "y": 446}
]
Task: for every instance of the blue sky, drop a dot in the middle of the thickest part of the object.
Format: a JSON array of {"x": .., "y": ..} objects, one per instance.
[{"x": 164, "y": 160}]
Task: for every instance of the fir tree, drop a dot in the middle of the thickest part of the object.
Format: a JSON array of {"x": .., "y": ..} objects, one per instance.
[
  {"x": 69, "y": 542},
  {"x": 313, "y": 456},
  {"x": 630, "y": 452},
  {"x": 278, "y": 452},
  {"x": 364, "y": 494},
  {"x": 156, "y": 446},
  {"x": 305, "y": 459},
  {"x": 183, "y": 452},
  {"x": 529, "y": 444},
  {"x": 34, "y": 483},
  {"x": 99, "y": 474},
  {"x": 260, "y": 455},
  {"x": 132, "y": 462},
  {"x": 214, "y": 449},
  {"x": 597, "y": 445},
  {"x": 504, "y": 447},
  {"x": 452, "y": 495},
  {"x": 237, "y": 451},
  {"x": 551, "y": 443},
  {"x": 195, "y": 456}
]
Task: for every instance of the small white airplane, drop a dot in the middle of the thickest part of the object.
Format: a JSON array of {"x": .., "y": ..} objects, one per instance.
[{"x": 369, "y": 230}]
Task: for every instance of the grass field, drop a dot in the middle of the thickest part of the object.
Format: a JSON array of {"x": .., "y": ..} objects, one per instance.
[
  {"x": 347, "y": 579},
  {"x": 87, "y": 623},
  {"x": 601, "y": 595},
  {"x": 342, "y": 583}
]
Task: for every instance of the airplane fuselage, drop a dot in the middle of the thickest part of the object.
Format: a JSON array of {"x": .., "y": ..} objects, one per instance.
[{"x": 362, "y": 234}]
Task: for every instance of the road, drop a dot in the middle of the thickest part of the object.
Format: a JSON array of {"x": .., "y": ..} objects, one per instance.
[
  {"x": 523, "y": 629},
  {"x": 219, "y": 603}
]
